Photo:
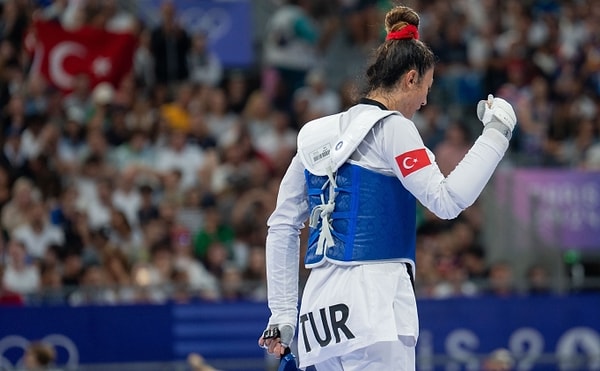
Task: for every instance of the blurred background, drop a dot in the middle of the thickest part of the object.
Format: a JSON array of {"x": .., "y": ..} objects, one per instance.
[{"x": 143, "y": 143}]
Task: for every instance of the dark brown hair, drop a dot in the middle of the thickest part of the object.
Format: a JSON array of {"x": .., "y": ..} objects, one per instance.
[{"x": 396, "y": 57}]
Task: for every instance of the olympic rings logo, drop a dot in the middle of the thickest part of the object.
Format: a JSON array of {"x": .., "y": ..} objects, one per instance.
[
  {"x": 214, "y": 22},
  {"x": 15, "y": 342}
]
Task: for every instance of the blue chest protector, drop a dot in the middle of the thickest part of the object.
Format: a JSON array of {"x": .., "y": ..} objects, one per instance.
[{"x": 373, "y": 219}]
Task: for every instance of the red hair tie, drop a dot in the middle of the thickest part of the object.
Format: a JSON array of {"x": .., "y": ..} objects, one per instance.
[{"x": 407, "y": 32}]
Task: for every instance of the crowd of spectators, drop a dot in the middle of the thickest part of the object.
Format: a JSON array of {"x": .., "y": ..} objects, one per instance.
[{"x": 159, "y": 189}]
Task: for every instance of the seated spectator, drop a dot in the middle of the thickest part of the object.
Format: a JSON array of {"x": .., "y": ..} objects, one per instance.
[
  {"x": 153, "y": 280},
  {"x": 126, "y": 196},
  {"x": 136, "y": 154},
  {"x": 473, "y": 259},
  {"x": 315, "y": 99},
  {"x": 148, "y": 209},
  {"x": 20, "y": 274},
  {"x": 72, "y": 271},
  {"x": 93, "y": 288},
  {"x": 454, "y": 146},
  {"x": 177, "y": 113},
  {"x": 205, "y": 66},
  {"x": 455, "y": 283},
  {"x": 98, "y": 209},
  {"x": 8, "y": 297},
  {"x": 15, "y": 212},
  {"x": 501, "y": 280},
  {"x": 214, "y": 229},
  {"x": 5, "y": 185},
  {"x": 573, "y": 151},
  {"x": 71, "y": 144},
  {"x": 200, "y": 281},
  {"x": 232, "y": 285},
  {"x": 538, "y": 281},
  {"x": 279, "y": 144},
  {"x": 37, "y": 234},
  {"x": 182, "y": 156},
  {"x": 51, "y": 286},
  {"x": 126, "y": 237},
  {"x": 255, "y": 275},
  {"x": 219, "y": 119},
  {"x": 12, "y": 156}
]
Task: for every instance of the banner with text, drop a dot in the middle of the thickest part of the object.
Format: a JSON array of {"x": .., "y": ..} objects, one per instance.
[
  {"x": 541, "y": 333},
  {"x": 562, "y": 207}
]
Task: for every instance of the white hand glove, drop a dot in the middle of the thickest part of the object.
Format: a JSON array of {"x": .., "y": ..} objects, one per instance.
[
  {"x": 498, "y": 114},
  {"x": 287, "y": 335}
]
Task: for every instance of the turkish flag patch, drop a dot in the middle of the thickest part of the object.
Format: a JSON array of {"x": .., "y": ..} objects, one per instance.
[{"x": 411, "y": 161}]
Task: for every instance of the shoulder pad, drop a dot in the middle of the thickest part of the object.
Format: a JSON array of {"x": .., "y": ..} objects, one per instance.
[{"x": 324, "y": 147}]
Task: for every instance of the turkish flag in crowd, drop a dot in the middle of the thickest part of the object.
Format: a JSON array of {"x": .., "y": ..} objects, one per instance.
[{"x": 61, "y": 54}]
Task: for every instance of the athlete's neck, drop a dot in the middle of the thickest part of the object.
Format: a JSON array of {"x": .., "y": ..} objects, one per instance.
[{"x": 373, "y": 102}]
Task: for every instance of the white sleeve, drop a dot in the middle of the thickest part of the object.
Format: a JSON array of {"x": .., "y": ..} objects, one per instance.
[
  {"x": 446, "y": 197},
  {"x": 283, "y": 245}
]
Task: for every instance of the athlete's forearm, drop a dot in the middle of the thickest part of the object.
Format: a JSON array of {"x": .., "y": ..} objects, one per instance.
[
  {"x": 471, "y": 175},
  {"x": 283, "y": 249},
  {"x": 283, "y": 245}
]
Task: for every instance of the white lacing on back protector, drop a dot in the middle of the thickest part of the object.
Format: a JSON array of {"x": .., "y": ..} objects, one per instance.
[{"x": 323, "y": 212}]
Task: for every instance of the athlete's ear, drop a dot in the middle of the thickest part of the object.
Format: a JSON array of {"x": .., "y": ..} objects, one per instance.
[{"x": 411, "y": 78}]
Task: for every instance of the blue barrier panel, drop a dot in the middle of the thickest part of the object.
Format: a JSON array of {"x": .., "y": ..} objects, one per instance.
[
  {"x": 89, "y": 334},
  {"x": 536, "y": 330},
  {"x": 540, "y": 332},
  {"x": 219, "y": 331}
]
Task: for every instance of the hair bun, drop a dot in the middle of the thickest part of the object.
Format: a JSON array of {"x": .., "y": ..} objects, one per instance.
[{"x": 400, "y": 16}]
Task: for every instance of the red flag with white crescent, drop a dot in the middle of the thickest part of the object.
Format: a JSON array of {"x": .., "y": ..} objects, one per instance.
[
  {"x": 62, "y": 54},
  {"x": 411, "y": 161}
]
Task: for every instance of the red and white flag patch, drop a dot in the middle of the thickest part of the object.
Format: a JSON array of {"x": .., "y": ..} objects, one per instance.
[{"x": 411, "y": 161}]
